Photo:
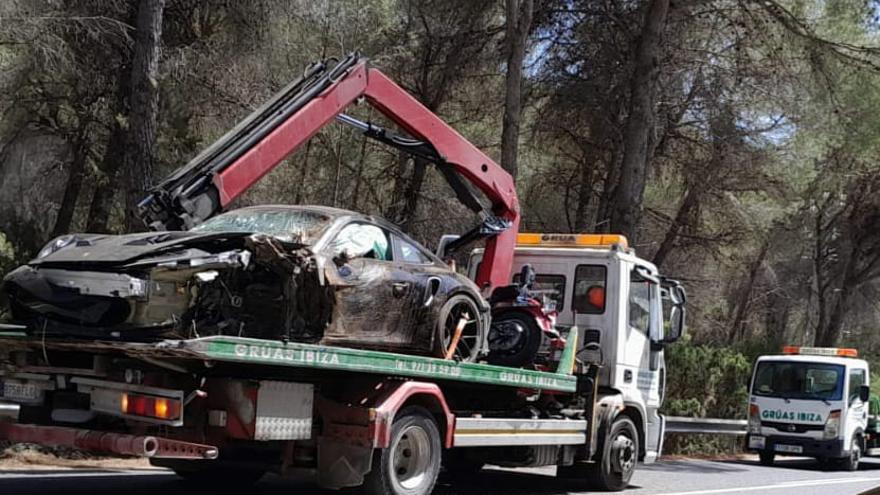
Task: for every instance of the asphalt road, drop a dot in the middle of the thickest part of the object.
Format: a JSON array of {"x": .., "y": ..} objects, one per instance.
[{"x": 677, "y": 477}]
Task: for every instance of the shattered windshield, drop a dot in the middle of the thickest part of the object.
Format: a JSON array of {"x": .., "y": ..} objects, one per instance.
[
  {"x": 301, "y": 226},
  {"x": 798, "y": 380}
]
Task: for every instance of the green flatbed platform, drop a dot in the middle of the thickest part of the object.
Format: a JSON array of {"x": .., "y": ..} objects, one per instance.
[{"x": 317, "y": 357}]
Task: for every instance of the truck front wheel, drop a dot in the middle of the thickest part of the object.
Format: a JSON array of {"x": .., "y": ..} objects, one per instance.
[
  {"x": 411, "y": 463},
  {"x": 615, "y": 461},
  {"x": 851, "y": 462}
]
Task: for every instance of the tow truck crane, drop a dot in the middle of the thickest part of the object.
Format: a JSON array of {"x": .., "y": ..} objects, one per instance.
[{"x": 226, "y": 409}]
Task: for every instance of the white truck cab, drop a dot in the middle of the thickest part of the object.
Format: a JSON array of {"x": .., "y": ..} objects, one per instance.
[
  {"x": 616, "y": 300},
  {"x": 810, "y": 401}
]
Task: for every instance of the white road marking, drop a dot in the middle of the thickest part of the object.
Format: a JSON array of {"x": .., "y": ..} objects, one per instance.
[{"x": 776, "y": 486}]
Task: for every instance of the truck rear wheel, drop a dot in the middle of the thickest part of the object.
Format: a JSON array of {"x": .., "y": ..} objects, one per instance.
[{"x": 411, "y": 463}]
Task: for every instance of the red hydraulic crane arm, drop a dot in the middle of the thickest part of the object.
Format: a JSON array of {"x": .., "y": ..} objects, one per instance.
[{"x": 255, "y": 157}]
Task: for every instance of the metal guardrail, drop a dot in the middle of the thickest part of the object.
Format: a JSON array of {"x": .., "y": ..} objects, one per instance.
[{"x": 709, "y": 426}]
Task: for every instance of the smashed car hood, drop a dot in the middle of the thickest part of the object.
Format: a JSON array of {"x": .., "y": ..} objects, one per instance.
[{"x": 118, "y": 249}]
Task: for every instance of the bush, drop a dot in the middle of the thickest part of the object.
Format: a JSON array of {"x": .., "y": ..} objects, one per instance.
[{"x": 705, "y": 382}]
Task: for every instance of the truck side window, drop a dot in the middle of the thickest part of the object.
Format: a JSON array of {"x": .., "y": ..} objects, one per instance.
[
  {"x": 639, "y": 303},
  {"x": 589, "y": 289},
  {"x": 553, "y": 286},
  {"x": 856, "y": 380}
]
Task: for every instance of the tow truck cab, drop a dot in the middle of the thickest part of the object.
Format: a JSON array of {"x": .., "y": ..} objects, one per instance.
[
  {"x": 624, "y": 310},
  {"x": 810, "y": 401}
]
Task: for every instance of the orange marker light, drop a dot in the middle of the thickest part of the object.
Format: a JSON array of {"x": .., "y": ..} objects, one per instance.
[
  {"x": 791, "y": 349},
  {"x": 161, "y": 408},
  {"x": 123, "y": 403}
]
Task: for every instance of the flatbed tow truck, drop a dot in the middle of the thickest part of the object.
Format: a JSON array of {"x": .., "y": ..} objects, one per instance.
[{"x": 226, "y": 409}]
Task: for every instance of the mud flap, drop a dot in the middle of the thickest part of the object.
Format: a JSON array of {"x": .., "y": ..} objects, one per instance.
[{"x": 342, "y": 464}]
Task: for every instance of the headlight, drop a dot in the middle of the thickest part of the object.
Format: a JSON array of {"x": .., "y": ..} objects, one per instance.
[
  {"x": 754, "y": 419},
  {"x": 832, "y": 425},
  {"x": 55, "y": 245}
]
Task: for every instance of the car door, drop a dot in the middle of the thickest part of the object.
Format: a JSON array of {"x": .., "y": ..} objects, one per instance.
[
  {"x": 370, "y": 295},
  {"x": 425, "y": 284}
]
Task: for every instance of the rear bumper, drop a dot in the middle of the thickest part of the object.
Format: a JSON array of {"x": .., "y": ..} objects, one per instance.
[
  {"x": 810, "y": 447},
  {"x": 106, "y": 442}
]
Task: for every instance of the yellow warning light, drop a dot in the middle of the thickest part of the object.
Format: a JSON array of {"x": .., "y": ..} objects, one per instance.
[
  {"x": 821, "y": 351},
  {"x": 571, "y": 240}
]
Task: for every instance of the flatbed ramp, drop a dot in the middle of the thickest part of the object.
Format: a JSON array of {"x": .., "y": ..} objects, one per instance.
[{"x": 316, "y": 357}]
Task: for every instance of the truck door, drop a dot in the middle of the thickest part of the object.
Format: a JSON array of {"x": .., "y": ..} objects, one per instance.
[
  {"x": 857, "y": 411},
  {"x": 641, "y": 357}
]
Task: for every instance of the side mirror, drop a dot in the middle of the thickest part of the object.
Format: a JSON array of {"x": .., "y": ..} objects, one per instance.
[
  {"x": 445, "y": 240},
  {"x": 864, "y": 393},
  {"x": 676, "y": 324}
]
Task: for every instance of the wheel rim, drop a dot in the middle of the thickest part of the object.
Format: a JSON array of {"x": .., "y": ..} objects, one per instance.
[
  {"x": 623, "y": 454},
  {"x": 411, "y": 458},
  {"x": 468, "y": 344},
  {"x": 856, "y": 452}
]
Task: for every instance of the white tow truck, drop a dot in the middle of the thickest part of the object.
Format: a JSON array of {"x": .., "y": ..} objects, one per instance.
[
  {"x": 813, "y": 402},
  {"x": 618, "y": 301}
]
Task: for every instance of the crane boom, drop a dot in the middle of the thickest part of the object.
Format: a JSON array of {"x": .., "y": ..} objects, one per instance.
[{"x": 229, "y": 167}]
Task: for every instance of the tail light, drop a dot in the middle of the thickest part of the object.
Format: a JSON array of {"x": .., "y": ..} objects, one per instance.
[
  {"x": 150, "y": 406},
  {"x": 754, "y": 418}
]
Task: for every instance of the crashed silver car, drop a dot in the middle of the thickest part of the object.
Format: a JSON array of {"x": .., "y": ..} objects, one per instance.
[{"x": 299, "y": 273}]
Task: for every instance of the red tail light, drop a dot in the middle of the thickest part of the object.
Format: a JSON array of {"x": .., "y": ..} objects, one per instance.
[{"x": 149, "y": 406}]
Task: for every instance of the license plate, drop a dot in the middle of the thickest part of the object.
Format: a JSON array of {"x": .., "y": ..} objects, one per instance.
[
  {"x": 790, "y": 449},
  {"x": 756, "y": 442},
  {"x": 20, "y": 391}
]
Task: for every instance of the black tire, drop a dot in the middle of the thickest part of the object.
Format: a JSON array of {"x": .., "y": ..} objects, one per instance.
[
  {"x": 411, "y": 463},
  {"x": 766, "y": 457},
  {"x": 470, "y": 345},
  {"x": 851, "y": 462},
  {"x": 518, "y": 353},
  {"x": 204, "y": 474},
  {"x": 609, "y": 472}
]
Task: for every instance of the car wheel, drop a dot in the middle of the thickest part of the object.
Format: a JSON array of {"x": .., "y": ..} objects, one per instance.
[
  {"x": 514, "y": 340},
  {"x": 411, "y": 463},
  {"x": 766, "y": 457},
  {"x": 459, "y": 309}
]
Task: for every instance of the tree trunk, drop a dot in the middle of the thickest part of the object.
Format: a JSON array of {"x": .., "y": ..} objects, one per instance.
[
  {"x": 585, "y": 193},
  {"x": 684, "y": 211},
  {"x": 742, "y": 306},
  {"x": 72, "y": 188},
  {"x": 141, "y": 142},
  {"x": 626, "y": 208},
  {"x": 519, "y": 22}
]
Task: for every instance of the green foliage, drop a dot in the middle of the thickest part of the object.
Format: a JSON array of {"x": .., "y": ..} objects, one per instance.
[{"x": 704, "y": 381}]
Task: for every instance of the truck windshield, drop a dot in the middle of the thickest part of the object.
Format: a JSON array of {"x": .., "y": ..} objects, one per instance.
[{"x": 798, "y": 380}]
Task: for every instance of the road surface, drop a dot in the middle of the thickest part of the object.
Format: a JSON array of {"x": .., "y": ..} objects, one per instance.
[{"x": 673, "y": 477}]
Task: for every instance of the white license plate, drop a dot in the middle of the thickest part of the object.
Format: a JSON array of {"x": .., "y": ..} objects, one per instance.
[
  {"x": 756, "y": 442},
  {"x": 790, "y": 449},
  {"x": 20, "y": 391}
]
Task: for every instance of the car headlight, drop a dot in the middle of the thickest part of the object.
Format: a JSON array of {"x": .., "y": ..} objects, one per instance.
[
  {"x": 832, "y": 425},
  {"x": 56, "y": 245}
]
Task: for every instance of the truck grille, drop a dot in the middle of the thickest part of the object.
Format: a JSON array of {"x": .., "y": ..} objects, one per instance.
[{"x": 792, "y": 427}]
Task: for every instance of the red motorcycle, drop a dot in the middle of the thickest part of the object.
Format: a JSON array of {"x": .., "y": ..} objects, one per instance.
[{"x": 523, "y": 331}]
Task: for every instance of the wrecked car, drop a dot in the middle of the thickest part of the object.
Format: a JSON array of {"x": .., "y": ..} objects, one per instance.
[{"x": 300, "y": 273}]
